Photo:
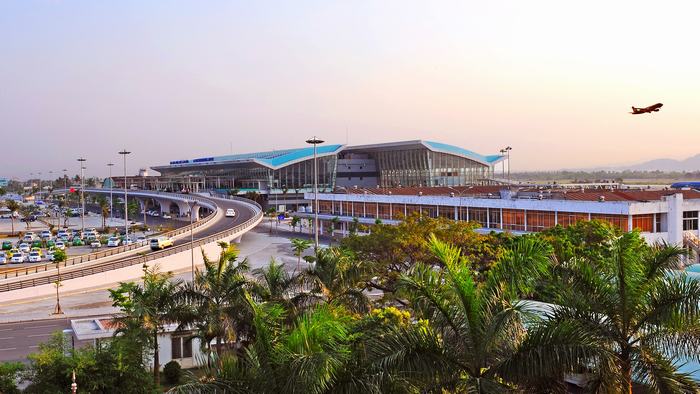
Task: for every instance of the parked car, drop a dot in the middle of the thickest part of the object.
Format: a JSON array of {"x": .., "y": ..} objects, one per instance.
[
  {"x": 167, "y": 216},
  {"x": 46, "y": 234},
  {"x": 161, "y": 243},
  {"x": 6, "y": 245},
  {"x": 95, "y": 244},
  {"x": 3, "y": 258},
  {"x": 36, "y": 244},
  {"x": 114, "y": 241},
  {"x": 34, "y": 256},
  {"x": 50, "y": 243},
  {"x": 77, "y": 242},
  {"x": 28, "y": 237},
  {"x": 24, "y": 247},
  {"x": 49, "y": 254},
  {"x": 141, "y": 240},
  {"x": 60, "y": 245},
  {"x": 18, "y": 257}
]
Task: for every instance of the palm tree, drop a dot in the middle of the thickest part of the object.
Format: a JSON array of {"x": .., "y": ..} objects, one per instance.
[
  {"x": 306, "y": 357},
  {"x": 472, "y": 335},
  {"x": 13, "y": 206},
  {"x": 26, "y": 211},
  {"x": 337, "y": 277},
  {"x": 271, "y": 213},
  {"x": 147, "y": 308},
  {"x": 274, "y": 284},
  {"x": 296, "y": 221},
  {"x": 217, "y": 299},
  {"x": 104, "y": 210},
  {"x": 299, "y": 246},
  {"x": 638, "y": 308}
]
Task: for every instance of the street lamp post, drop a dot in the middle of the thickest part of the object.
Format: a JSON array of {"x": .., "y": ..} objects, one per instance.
[
  {"x": 192, "y": 204},
  {"x": 57, "y": 310},
  {"x": 126, "y": 200},
  {"x": 315, "y": 141},
  {"x": 508, "y": 149},
  {"x": 82, "y": 194},
  {"x": 65, "y": 195},
  {"x": 111, "y": 189}
]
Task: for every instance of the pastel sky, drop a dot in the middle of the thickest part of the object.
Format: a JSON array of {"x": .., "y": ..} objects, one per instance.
[{"x": 182, "y": 79}]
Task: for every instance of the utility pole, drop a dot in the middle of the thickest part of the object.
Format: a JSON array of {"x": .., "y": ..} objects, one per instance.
[
  {"x": 111, "y": 189},
  {"x": 315, "y": 141},
  {"x": 124, "y": 152},
  {"x": 82, "y": 195}
]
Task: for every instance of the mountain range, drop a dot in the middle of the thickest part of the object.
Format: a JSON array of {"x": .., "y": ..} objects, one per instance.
[{"x": 666, "y": 165}]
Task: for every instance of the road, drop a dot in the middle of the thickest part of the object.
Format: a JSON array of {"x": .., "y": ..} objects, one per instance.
[
  {"x": 244, "y": 212},
  {"x": 19, "y": 339}
]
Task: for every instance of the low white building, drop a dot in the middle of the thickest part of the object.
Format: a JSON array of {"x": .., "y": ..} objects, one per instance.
[
  {"x": 180, "y": 346},
  {"x": 668, "y": 215}
]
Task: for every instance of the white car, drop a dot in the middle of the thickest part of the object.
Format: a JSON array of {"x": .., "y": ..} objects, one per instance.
[
  {"x": 114, "y": 241},
  {"x": 17, "y": 258},
  {"x": 34, "y": 257},
  {"x": 28, "y": 237},
  {"x": 167, "y": 216},
  {"x": 49, "y": 255},
  {"x": 95, "y": 244},
  {"x": 230, "y": 213},
  {"x": 141, "y": 240},
  {"x": 3, "y": 258},
  {"x": 24, "y": 247},
  {"x": 60, "y": 245},
  {"x": 46, "y": 234}
]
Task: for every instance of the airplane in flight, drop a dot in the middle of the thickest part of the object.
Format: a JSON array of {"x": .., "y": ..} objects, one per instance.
[{"x": 647, "y": 110}]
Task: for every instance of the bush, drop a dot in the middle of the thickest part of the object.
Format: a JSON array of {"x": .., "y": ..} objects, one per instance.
[
  {"x": 9, "y": 372},
  {"x": 172, "y": 372}
]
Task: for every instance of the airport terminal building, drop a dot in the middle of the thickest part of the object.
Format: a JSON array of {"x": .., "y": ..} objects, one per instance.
[{"x": 283, "y": 176}]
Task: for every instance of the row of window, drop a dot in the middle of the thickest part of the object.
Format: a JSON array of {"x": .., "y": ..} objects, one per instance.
[{"x": 497, "y": 218}]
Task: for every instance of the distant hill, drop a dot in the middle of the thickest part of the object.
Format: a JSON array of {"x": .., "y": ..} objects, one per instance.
[{"x": 690, "y": 164}]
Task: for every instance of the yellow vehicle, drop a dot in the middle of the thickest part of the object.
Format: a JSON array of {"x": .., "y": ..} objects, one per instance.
[
  {"x": 12, "y": 252},
  {"x": 38, "y": 250},
  {"x": 161, "y": 243}
]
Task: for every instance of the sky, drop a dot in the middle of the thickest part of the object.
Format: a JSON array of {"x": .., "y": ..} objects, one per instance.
[{"x": 173, "y": 80}]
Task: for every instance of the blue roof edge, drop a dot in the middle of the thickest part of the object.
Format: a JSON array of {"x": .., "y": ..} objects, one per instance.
[{"x": 490, "y": 159}]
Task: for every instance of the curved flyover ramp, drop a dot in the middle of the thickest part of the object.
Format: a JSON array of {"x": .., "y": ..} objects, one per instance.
[{"x": 127, "y": 263}]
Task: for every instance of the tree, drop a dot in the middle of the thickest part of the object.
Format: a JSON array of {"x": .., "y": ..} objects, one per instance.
[
  {"x": 104, "y": 210},
  {"x": 115, "y": 366},
  {"x": 274, "y": 284},
  {"x": 308, "y": 356},
  {"x": 296, "y": 221},
  {"x": 216, "y": 300},
  {"x": 9, "y": 374},
  {"x": 637, "y": 307},
  {"x": 337, "y": 277},
  {"x": 26, "y": 211},
  {"x": 271, "y": 213},
  {"x": 471, "y": 335},
  {"x": 13, "y": 206},
  {"x": 299, "y": 246},
  {"x": 147, "y": 308}
]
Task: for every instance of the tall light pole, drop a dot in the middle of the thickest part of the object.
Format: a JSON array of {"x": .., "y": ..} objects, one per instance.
[
  {"x": 315, "y": 141},
  {"x": 126, "y": 200},
  {"x": 82, "y": 195},
  {"x": 65, "y": 192},
  {"x": 111, "y": 189},
  {"x": 508, "y": 149},
  {"x": 57, "y": 310},
  {"x": 503, "y": 164},
  {"x": 192, "y": 204}
]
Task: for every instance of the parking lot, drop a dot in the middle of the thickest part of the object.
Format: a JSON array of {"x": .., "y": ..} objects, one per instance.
[{"x": 74, "y": 243}]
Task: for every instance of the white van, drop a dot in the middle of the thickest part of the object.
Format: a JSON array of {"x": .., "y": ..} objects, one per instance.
[{"x": 161, "y": 243}]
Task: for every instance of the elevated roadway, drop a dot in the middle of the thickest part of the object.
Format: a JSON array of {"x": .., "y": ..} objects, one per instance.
[{"x": 216, "y": 226}]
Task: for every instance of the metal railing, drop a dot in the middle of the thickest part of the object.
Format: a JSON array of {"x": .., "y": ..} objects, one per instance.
[
  {"x": 108, "y": 266},
  {"x": 14, "y": 273}
]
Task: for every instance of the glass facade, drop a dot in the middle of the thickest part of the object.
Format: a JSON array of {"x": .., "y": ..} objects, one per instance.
[
  {"x": 643, "y": 223},
  {"x": 423, "y": 167}
]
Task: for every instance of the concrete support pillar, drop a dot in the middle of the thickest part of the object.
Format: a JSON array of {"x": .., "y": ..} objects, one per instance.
[
  {"x": 183, "y": 208},
  {"x": 142, "y": 204},
  {"x": 164, "y": 205},
  {"x": 675, "y": 219}
]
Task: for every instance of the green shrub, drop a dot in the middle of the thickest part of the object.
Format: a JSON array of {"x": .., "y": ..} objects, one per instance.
[{"x": 172, "y": 372}]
